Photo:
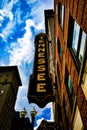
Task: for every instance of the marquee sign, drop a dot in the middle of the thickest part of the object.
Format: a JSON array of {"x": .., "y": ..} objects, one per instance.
[{"x": 40, "y": 86}]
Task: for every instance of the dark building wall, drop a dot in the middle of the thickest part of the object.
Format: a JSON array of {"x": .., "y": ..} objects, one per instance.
[
  {"x": 15, "y": 125},
  {"x": 9, "y": 83},
  {"x": 20, "y": 123},
  {"x": 68, "y": 65}
]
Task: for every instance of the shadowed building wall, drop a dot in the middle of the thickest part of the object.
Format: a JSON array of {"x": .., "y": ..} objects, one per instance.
[
  {"x": 9, "y": 84},
  {"x": 20, "y": 123}
]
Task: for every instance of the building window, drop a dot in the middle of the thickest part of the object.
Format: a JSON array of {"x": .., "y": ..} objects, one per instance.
[
  {"x": 69, "y": 87},
  {"x": 59, "y": 76},
  {"x": 60, "y": 50},
  {"x": 4, "y": 85},
  {"x": 76, "y": 41},
  {"x": 71, "y": 92},
  {"x": 82, "y": 46},
  {"x": 2, "y": 91},
  {"x": 70, "y": 31},
  {"x": 79, "y": 40},
  {"x": 65, "y": 111},
  {"x": 8, "y": 73},
  {"x": 61, "y": 15},
  {"x": 75, "y": 37},
  {"x": 1, "y": 74},
  {"x": 84, "y": 80}
]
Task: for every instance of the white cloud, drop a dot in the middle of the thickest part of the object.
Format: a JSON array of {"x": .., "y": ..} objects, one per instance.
[
  {"x": 38, "y": 123},
  {"x": 23, "y": 50},
  {"x": 40, "y": 26},
  {"x": 37, "y": 12},
  {"x": 48, "y": 4},
  {"x": 1, "y": 35},
  {"x": 7, "y": 7},
  {"x": 1, "y": 18},
  {"x": 29, "y": 23},
  {"x": 2, "y": 64},
  {"x": 6, "y": 13},
  {"x": 17, "y": 16},
  {"x": 8, "y": 30},
  {"x": 31, "y": 1}
]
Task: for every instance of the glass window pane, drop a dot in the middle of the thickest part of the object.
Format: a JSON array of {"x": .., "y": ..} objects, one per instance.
[
  {"x": 82, "y": 45},
  {"x": 2, "y": 91},
  {"x": 62, "y": 20},
  {"x": 4, "y": 85},
  {"x": 70, "y": 85},
  {"x": 75, "y": 36},
  {"x": 1, "y": 74},
  {"x": 61, "y": 52},
  {"x": 61, "y": 15}
]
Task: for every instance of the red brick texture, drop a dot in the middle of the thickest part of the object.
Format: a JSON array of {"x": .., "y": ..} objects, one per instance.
[{"x": 78, "y": 10}]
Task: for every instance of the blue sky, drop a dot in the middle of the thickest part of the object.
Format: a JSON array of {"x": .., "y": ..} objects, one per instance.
[{"x": 20, "y": 21}]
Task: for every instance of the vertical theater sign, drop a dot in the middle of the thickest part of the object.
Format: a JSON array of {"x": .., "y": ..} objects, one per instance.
[{"x": 40, "y": 86}]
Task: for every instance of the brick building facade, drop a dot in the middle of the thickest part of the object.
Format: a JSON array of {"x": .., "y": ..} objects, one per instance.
[
  {"x": 71, "y": 61},
  {"x": 9, "y": 84}
]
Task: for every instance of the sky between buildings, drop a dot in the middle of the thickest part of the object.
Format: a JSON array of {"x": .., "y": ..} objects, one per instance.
[{"x": 20, "y": 21}]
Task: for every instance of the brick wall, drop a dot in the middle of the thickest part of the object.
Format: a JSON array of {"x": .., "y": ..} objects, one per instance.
[{"x": 78, "y": 10}]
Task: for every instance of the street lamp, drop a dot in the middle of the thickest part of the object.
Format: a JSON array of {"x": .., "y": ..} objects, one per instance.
[{"x": 33, "y": 114}]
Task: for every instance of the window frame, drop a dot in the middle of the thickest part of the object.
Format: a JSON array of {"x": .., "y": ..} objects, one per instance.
[
  {"x": 69, "y": 88},
  {"x": 61, "y": 12},
  {"x": 75, "y": 53},
  {"x": 60, "y": 50}
]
